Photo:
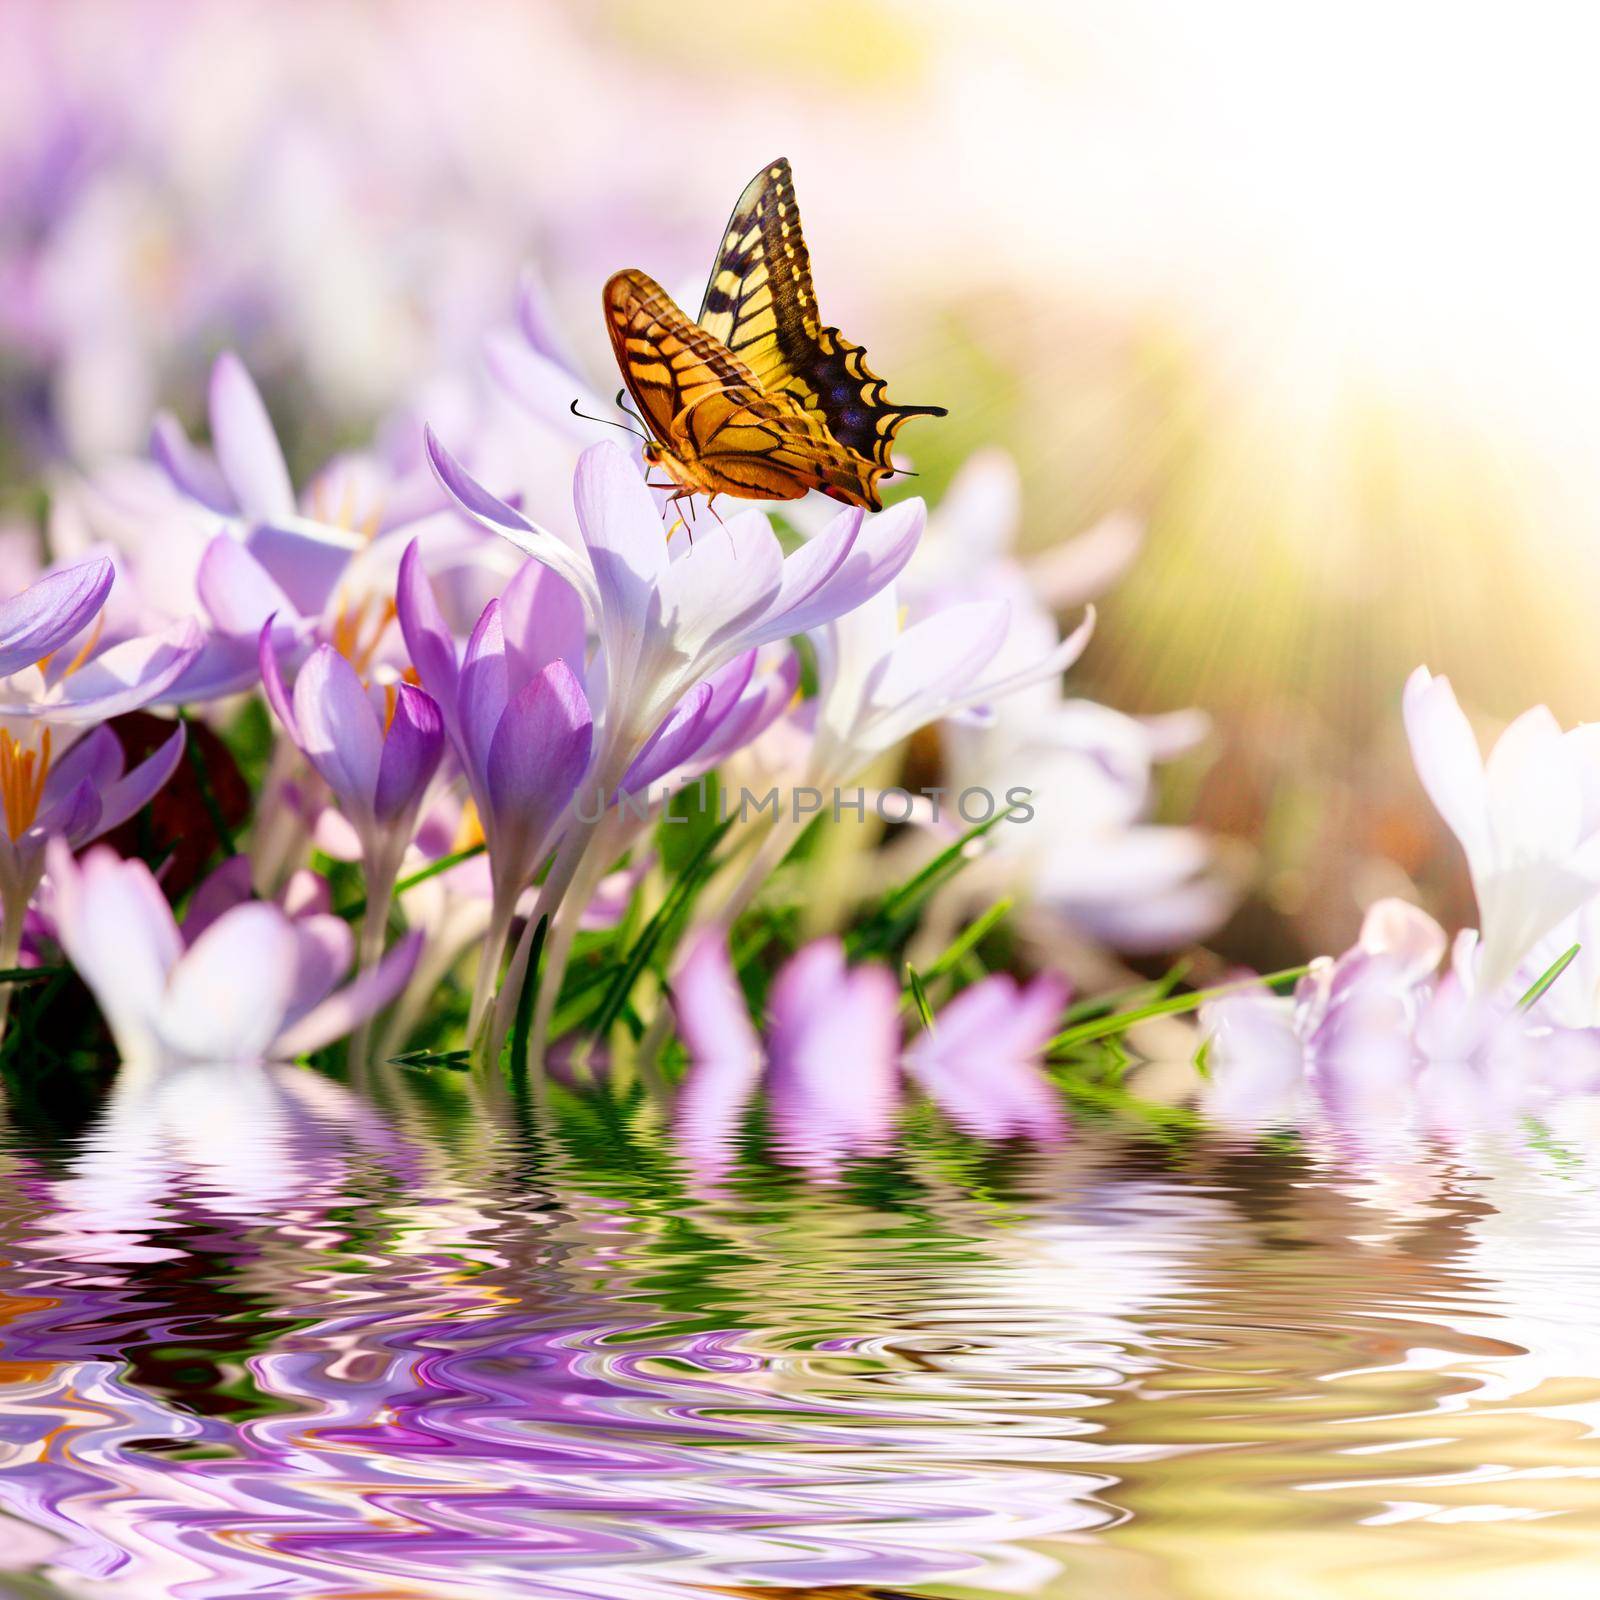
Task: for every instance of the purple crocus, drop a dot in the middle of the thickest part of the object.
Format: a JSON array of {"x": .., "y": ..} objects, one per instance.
[
  {"x": 54, "y": 681},
  {"x": 378, "y": 764},
  {"x": 669, "y": 615},
  {"x": 516, "y": 716},
  {"x": 832, "y": 1060},
  {"x": 254, "y": 984}
]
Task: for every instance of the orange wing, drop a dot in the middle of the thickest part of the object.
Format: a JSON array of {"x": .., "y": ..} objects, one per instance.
[{"x": 717, "y": 430}]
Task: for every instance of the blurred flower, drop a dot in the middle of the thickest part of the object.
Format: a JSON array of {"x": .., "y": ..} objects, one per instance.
[
  {"x": 1528, "y": 818},
  {"x": 832, "y": 1056},
  {"x": 255, "y": 984}
]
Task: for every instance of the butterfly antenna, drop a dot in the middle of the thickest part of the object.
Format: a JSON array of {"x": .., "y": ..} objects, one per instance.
[{"x": 632, "y": 432}]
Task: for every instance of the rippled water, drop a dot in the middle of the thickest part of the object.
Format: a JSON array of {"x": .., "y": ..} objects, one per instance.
[{"x": 259, "y": 1336}]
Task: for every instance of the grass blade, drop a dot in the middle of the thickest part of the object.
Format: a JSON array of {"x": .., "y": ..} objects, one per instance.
[
  {"x": 967, "y": 940},
  {"x": 523, "y": 1024},
  {"x": 919, "y": 997},
  {"x": 1547, "y": 977},
  {"x": 1121, "y": 1021}
]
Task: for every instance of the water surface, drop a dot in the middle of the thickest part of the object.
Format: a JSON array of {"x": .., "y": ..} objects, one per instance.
[{"x": 261, "y": 1336}]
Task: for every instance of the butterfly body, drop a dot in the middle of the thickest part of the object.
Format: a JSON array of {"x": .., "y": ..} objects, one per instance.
[{"x": 758, "y": 399}]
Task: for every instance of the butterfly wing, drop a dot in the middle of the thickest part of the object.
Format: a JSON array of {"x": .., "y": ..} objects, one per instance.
[
  {"x": 762, "y": 305},
  {"x": 706, "y": 408}
]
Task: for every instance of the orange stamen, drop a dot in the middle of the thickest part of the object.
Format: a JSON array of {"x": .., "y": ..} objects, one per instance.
[
  {"x": 22, "y": 775},
  {"x": 85, "y": 650},
  {"x": 469, "y": 831}
]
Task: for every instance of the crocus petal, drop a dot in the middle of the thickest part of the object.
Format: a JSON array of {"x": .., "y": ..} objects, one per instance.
[
  {"x": 353, "y": 1004},
  {"x": 411, "y": 751},
  {"x": 685, "y": 728},
  {"x": 1256, "y": 1065},
  {"x": 494, "y": 514},
  {"x": 729, "y": 576},
  {"x": 338, "y": 727},
  {"x": 874, "y": 558},
  {"x": 239, "y": 594},
  {"x": 543, "y": 621},
  {"x": 934, "y": 660},
  {"x": 539, "y": 752},
  {"x": 96, "y": 758},
  {"x": 135, "y": 673},
  {"x": 129, "y": 795},
  {"x": 118, "y": 931},
  {"x": 627, "y": 550},
  {"x": 306, "y": 559},
  {"x": 191, "y": 470},
  {"x": 75, "y": 817},
  {"x": 218, "y": 892},
  {"x": 429, "y": 642},
  {"x": 765, "y": 700},
  {"x": 227, "y": 997},
  {"x": 482, "y": 692},
  {"x": 1533, "y": 791},
  {"x": 246, "y": 444},
  {"x": 1405, "y": 932},
  {"x": 713, "y": 1018},
  {"x": 48, "y": 613},
  {"x": 325, "y": 947},
  {"x": 1446, "y": 757},
  {"x": 272, "y": 683}
]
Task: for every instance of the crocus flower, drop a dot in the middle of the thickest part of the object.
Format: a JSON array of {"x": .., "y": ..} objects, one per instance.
[
  {"x": 1528, "y": 818},
  {"x": 832, "y": 1057},
  {"x": 378, "y": 767},
  {"x": 669, "y": 616},
  {"x": 517, "y": 718},
  {"x": 256, "y": 984}
]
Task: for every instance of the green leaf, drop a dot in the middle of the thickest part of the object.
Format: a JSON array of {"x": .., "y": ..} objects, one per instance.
[
  {"x": 967, "y": 940},
  {"x": 1547, "y": 977},
  {"x": 896, "y": 912},
  {"x": 423, "y": 1060},
  {"x": 30, "y": 974},
  {"x": 1121, "y": 1021},
  {"x": 919, "y": 996},
  {"x": 523, "y": 1023}
]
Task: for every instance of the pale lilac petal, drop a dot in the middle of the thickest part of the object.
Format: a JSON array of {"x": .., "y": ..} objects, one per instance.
[
  {"x": 483, "y": 690},
  {"x": 936, "y": 659},
  {"x": 1049, "y": 666},
  {"x": 129, "y": 795},
  {"x": 96, "y": 758},
  {"x": 306, "y": 894},
  {"x": 1446, "y": 757},
  {"x": 874, "y": 559},
  {"x": 766, "y": 699},
  {"x": 1256, "y": 1065},
  {"x": 680, "y": 734},
  {"x": 540, "y": 751},
  {"x": 411, "y": 751},
  {"x": 1405, "y": 932},
  {"x": 325, "y": 947},
  {"x": 713, "y": 1017},
  {"x": 542, "y": 617},
  {"x": 246, "y": 444},
  {"x": 1533, "y": 791},
  {"x": 192, "y": 471},
  {"x": 538, "y": 322},
  {"x": 429, "y": 642},
  {"x": 118, "y": 932},
  {"x": 627, "y": 550},
  {"x": 75, "y": 817},
  {"x": 272, "y": 683},
  {"x": 123, "y": 678},
  {"x": 238, "y": 593},
  {"x": 1085, "y": 567},
  {"x": 494, "y": 514},
  {"x": 352, "y": 1005},
  {"x": 50, "y": 612},
  {"x": 833, "y": 1039},
  {"x": 306, "y": 559},
  {"x": 725, "y": 581},
  {"x": 227, "y": 997},
  {"x": 339, "y": 729},
  {"x": 218, "y": 892}
]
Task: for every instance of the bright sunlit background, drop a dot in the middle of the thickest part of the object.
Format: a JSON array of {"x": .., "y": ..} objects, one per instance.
[{"x": 1312, "y": 288}]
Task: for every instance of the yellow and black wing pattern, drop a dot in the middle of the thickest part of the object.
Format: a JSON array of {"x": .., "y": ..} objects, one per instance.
[
  {"x": 711, "y": 415},
  {"x": 762, "y": 306}
]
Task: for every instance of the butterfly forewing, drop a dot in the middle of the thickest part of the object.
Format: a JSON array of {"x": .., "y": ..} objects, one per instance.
[{"x": 762, "y": 306}]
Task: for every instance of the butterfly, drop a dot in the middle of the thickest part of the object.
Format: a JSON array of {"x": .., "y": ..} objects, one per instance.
[{"x": 758, "y": 399}]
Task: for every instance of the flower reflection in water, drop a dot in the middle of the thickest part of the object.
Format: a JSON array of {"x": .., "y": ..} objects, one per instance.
[{"x": 260, "y": 1337}]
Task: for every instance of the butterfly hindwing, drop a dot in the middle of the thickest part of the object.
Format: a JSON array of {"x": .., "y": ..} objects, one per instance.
[
  {"x": 761, "y": 305},
  {"x": 708, "y": 412}
]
